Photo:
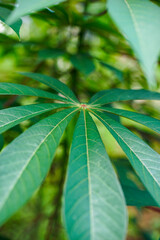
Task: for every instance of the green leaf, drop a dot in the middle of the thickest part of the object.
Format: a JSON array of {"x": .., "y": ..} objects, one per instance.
[
  {"x": 10, "y": 117},
  {"x": 147, "y": 121},
  {"x": 144, "y": 159},
  {"x": 94, "y": 205},
  {"x": 116, "y": 71},
  {"x": 18, "y": 89},
  {"x": 27, "y": 7},
  {"x": 25, "y": 162},
  {"x": 51, "y": 53},
  {"x": 4, "y": 13},
  {"x": 1, "y": 142},
  {"x": 55, "y": 84},
  {"x": 139, "y": 22},
  {"x": 83, "y": 63},
  {"x": 115, "y": 95},
  {"x": 136, "y": 197},
  {"x": 133, "y": 194}
]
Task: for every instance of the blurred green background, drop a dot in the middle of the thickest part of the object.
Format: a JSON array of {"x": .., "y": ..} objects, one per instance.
[{"x": 77, "y": 43}]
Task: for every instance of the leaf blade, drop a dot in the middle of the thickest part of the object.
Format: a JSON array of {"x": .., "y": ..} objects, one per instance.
[
  {"x": 10, "y": 117},
  {"x": 28, "y": 7},
  {"x": 139, "y": 154},
  {"x": 117, "y": 94},
  {"x": 4, "y": 13},
  {"x": 136, "y": 197},
  {"x": 117, "y": 72},
  {"x": 55, "y": 84},
  {"x": 147, "y": 121},
  {"x": 133, "y": 18},
  {"x": 35, "y": 148},
  {"x": 83, "y": 62},
  {"x": 22, "y": 90},
  {"x": 134, "y": 191},
  {"x": 87, "y": 207}
]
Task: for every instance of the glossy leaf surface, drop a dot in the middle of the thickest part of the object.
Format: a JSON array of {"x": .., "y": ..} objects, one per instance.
[
  {"x": 25, "y": 162},
  {"x": 55, "y": 84},
  {"x": 10, "y": 117},
  {"x": 94, "y": 205},
  {"x": 18, "y": 89},
  {"x": 115, "y": 95},
  {"x": 139, "y": 22},
  {"x": 144, "y": 159}
]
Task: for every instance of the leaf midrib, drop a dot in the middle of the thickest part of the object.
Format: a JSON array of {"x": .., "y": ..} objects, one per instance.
[
  {"x": 135, "y": 25},
  {"x": 89, "y": 178}
]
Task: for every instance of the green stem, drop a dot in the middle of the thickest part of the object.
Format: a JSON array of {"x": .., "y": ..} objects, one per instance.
[{"x": 80, "y": 45}]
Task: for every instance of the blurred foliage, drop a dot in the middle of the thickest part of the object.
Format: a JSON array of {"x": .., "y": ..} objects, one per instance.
[{"x": 61, "y": 43}]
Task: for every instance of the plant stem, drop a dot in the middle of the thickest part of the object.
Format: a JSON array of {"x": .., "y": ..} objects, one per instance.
[{"x": 80, "y": 45}]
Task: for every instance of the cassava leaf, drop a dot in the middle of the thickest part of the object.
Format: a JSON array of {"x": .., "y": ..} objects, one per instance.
[
  {"x": 133, "y": 189},
  {"x": 94, "y": 205},
  {"x": 4, "y": 13},
  {"x": 139, "y": 22},
  {"x": 27, "y": 7},
  {"x": 25, "y": 162},
  {"x": 147, "y": 121},
  {"x": 115, "y": 95},
  {"x": 116, "y": 71},
  {"x": 136, "y": 197},
  {"x": 50, "y": 53},
  {"x": 55, "y": 84},
  {"x": 143, "y": 158},
  {"x": 18, "y": 89},
  {"x": 83, "y": 62},
  {"x": 10, "y": 117}
]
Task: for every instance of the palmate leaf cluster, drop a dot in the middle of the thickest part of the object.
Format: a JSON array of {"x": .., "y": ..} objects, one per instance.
[
  {"x": 93, "y": 200},
  {"x": 95, "y": 193}
]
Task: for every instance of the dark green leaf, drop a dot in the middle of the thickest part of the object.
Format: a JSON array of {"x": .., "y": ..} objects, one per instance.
[
  {"x": 115, "y": 95},
  {"x": 55, "y": 84},
  {"x": 134, "y": 191},
  {"x": 116, "y": 71},
  {"x": 50, "y": 53},
  {"x": 18, "y": 89},
  {"x": 83, "y": 63},
  {"x": 136, "y": 197}
]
